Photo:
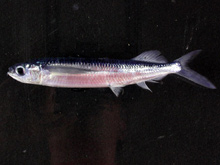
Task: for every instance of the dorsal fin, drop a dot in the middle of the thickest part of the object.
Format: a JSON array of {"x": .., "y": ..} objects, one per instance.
[{"x": 151, "y": 56}]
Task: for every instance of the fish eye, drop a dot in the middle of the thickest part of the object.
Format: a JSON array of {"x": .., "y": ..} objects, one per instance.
[{"x": 20, "y": 70}]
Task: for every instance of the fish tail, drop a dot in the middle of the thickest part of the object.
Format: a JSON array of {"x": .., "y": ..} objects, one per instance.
[{"x": 191, "y": 75}]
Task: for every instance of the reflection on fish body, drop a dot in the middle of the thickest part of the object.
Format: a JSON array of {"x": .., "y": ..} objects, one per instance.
[{"x": 149, "y": 66}]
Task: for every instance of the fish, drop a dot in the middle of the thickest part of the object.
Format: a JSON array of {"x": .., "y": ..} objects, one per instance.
[{"x": 70, "y": 72}]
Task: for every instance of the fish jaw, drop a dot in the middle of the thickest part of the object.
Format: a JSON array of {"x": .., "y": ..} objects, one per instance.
[{"x": 14, "y": 76}]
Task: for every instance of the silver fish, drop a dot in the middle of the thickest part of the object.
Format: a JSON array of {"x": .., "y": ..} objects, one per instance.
[{"x": 149, "y": 66}]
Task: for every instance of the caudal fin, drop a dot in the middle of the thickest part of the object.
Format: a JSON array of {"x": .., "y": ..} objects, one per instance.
[{"x": 191, "y": 75}]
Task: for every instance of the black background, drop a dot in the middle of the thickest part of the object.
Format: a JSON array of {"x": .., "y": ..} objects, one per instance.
[{"x": 176, "y": 124}]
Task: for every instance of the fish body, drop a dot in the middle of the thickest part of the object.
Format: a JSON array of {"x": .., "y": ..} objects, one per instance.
[
  {"x": 84, "y": 73},
  {"x": 149, "y": 66}
]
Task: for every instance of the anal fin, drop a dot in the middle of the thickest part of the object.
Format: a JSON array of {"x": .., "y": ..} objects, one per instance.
[
  {"x": 116, "y": 90},
  {"x": 144, "y": 86}
]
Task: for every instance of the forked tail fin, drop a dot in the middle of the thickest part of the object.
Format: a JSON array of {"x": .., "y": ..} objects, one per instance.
[{"x": 191, "y": 75}]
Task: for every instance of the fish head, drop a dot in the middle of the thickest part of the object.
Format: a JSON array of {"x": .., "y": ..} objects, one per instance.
[{"x": 26, "y": 73}]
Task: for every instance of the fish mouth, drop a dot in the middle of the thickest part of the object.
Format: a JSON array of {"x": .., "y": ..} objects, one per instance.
[
  {"x": 14, "y": 76},
  {"x": 10, "y": 71},
  {"x": 11, "y": 74}
]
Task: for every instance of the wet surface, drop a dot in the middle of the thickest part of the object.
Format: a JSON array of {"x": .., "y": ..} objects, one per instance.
[{"x": 176, "y": 124}]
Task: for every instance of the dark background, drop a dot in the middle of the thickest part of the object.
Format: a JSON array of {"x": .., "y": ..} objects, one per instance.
[{"x": 176, "y": 124}]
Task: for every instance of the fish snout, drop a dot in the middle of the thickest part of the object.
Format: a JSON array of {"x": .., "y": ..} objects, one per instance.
[{"x": 11, "y": 70}]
